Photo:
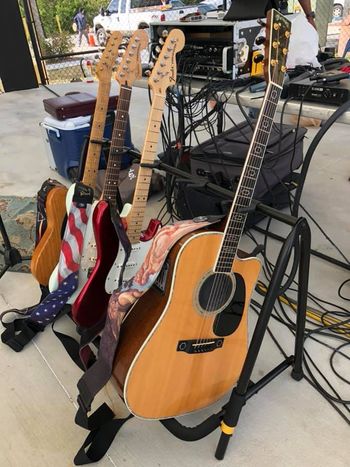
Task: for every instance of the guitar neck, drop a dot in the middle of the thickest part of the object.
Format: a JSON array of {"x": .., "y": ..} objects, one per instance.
[
  {"x": 96, "y": 134},
  {"x": 245, "y": 190},
  {"x": 110, "y": 188},
  {"x": 136, "y": 216}
]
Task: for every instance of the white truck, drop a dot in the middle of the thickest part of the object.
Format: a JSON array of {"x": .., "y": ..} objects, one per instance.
[{"x": 129, "y": 15}]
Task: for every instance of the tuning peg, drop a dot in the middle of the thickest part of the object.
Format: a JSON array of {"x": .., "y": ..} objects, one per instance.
[
  {"x": 158, "y": 49},
  {"x": 148, "y": 72},
  {"x": 161, "y": 41},
  {"x": 260, "y": 40},
  {"x": 165, "y": 33},
  {"x": 258, "y": 58},
  {"x": 151, "y": 65}
]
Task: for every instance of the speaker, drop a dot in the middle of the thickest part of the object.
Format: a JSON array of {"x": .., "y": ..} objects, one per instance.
[{"x": 16, "y": 65}]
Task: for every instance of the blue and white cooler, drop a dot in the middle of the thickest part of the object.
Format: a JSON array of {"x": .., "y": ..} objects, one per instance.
[{"x": 66, "y": 139}]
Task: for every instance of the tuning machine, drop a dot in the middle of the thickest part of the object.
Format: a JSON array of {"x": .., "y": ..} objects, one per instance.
[
  {"x": 260, "y": 40},
  {"x": 259, "y": 58},
  {"x": 165, "y": 33}
]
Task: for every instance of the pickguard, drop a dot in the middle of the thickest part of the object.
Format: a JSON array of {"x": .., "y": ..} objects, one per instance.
[
  {"x": 228, "y": 320},
  {"x": 136, "y": 258}
]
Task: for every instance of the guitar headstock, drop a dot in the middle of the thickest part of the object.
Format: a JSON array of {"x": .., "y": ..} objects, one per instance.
[
  {"x": 130, "y": 69},
  {"x": 164, "y": 71},
  {"x": 107, "y": 61},
  {"x": 278, "y": 29}
]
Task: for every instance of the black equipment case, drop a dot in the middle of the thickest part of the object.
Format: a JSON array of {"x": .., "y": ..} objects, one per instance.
[{"x": 220, "y": 160}]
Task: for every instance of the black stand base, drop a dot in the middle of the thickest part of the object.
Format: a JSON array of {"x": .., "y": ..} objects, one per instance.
[{"x": 11, "y": 255}]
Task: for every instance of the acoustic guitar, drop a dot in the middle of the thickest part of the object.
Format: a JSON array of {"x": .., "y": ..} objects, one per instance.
[
  {"x": 91, "y": 303},
  {"x": 162, "y": 76},
  {"x": 104, "y": 71},
  {"x": 182, "y": 347}
]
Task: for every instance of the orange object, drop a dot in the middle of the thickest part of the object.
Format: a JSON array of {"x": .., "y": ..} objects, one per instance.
[
  {"x": 92, "y": 39},
  {"x": 47, "y": 252}
]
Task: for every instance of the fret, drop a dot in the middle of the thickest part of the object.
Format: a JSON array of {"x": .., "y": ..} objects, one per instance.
[
  {"x": 135, "y": 218},
  {"x": 96, "y": 133},
  {"x": 110, "y": 188},
  {"x": 246, "y": 186}
]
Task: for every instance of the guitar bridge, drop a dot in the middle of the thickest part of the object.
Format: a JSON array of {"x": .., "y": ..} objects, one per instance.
[{"x": 199, "y": 345}]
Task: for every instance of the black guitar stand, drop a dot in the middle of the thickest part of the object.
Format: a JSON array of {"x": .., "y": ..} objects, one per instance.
[
  {"x": 298, "y": 241},
  {"x": 11, "y": 255}
]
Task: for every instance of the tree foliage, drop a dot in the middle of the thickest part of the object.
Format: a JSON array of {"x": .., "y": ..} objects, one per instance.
[{"x": 66, "y": 10}]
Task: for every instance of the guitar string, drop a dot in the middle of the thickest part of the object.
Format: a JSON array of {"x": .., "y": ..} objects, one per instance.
[
  {"x": 218, "y": 287},
  {"x": 114, "y": 163},
  {"x": 222, "y": 289},
  {"x": 268, "y": 107},
  {"x": 267, "y": 113}
]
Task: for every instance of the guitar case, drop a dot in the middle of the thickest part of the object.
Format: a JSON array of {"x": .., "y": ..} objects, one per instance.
[
  {"x": 74, "y": 104},
  {"x": 220, "y": 160}
]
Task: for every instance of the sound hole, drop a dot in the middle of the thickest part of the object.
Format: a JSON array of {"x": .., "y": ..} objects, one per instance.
[{"x": 216, "y": 292}]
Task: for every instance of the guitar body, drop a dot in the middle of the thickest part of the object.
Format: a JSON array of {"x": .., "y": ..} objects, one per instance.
[
  {"x": 88, "y": 256},
  {"x": 47, "y": 252},
  {"x": 91, "y": 303},
  {"x": 138, "y": 253},
  {"x": 156, "y": 373}
]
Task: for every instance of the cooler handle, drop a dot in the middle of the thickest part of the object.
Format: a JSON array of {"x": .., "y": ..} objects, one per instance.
[{"x": 51, "y": 128}]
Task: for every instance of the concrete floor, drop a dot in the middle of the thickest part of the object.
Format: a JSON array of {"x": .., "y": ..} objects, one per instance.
[{"x": 286, "y": 424}]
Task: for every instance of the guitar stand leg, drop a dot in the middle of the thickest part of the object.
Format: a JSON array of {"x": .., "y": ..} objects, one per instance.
[{"x": 229, "y": 422}]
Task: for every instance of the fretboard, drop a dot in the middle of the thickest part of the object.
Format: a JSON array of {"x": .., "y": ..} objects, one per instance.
[
  {"x": 96, "y": 134},
  {"x": 249, "y": 176},
  {"x": 149, "y": 152},
  {"x": 117, "y": 146}
]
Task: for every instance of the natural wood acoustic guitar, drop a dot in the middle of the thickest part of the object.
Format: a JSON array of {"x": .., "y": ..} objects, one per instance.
[{"x": 183, "y": 344}]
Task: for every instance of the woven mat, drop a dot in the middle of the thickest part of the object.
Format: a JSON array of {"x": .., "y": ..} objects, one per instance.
[{"x": 18, "y": 214}]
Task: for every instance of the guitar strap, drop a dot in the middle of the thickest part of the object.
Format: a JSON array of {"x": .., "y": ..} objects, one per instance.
[
  {"x": 80, "y": 352},
  {"x": 18, "y": 333},
  {"x": 120, "y": 302}
]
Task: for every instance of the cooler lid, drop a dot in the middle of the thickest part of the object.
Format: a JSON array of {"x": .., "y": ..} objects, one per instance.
[{"x": 69, "y": 124}]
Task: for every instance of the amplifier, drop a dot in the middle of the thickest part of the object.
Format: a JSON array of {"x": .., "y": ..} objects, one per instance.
[
  {"x": 323, "y": 93},
  {"x": 214, "y": 48}
]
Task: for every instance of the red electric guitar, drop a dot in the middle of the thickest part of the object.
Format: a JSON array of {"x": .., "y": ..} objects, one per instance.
[{"x": 90, "y": 305}]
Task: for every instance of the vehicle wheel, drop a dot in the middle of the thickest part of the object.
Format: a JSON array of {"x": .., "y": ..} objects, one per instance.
[
  {"x": 101, "y": 37},
  {"x": 143, "y": 25},
  {"x": 338, "y": 10}
]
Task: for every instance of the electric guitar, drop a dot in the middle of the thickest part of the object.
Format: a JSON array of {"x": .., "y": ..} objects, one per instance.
[
  {"x": 47, "y": 252},
  {"x": 104, "y": 71},
  {"x": 91, "y": 303},
  {"x": 183, "y": 347},
  {"x": 163, "y": 75}
]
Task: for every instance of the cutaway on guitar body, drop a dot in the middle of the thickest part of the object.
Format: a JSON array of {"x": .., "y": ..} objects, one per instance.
[{"x": 182, "y": 348}]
